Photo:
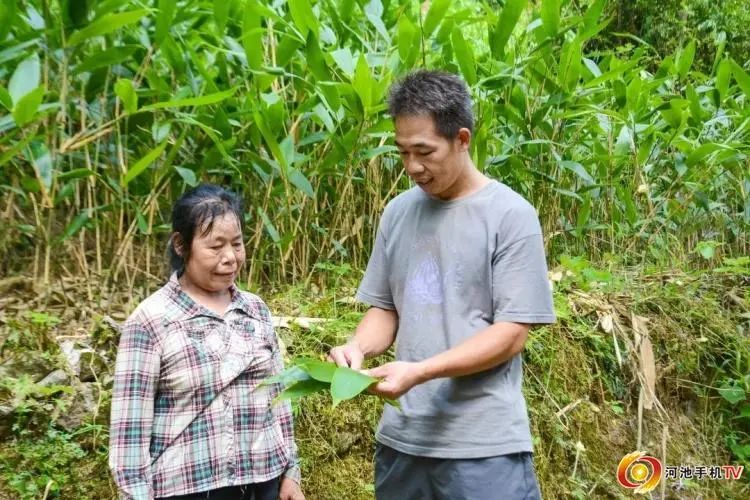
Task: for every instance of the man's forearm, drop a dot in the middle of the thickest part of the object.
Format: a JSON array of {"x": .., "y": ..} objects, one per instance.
[
  {"x": 376, "y": 332},
  {"x": 490, "y": 347}
]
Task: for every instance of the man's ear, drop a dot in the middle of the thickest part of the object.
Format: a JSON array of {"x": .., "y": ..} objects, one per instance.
[
  {"x": 464, "y": 139},
  {"x": 178, "y": 244}
]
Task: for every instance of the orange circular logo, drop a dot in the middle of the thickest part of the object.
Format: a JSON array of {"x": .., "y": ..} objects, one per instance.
[{"x": 639, "y": 472}]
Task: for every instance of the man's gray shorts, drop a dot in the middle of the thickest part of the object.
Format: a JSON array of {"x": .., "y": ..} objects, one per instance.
[{"x": 399, "y": 476}]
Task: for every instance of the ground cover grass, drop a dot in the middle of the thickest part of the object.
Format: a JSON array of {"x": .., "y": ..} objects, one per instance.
[{"x": 584, "y": 382}]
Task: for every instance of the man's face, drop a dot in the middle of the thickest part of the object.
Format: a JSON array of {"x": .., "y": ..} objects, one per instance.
[
  {"x": 216, "y": 257},
  {"x": 432, "y": 161}
]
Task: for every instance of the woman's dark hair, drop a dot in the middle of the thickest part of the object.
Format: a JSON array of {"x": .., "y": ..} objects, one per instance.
[
  {"x": 196, "y": 211},
  {"x": 440, "y": 95}
]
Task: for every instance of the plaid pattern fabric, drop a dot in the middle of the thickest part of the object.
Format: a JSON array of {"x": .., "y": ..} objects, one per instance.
[{"x": 188, "y": 414}]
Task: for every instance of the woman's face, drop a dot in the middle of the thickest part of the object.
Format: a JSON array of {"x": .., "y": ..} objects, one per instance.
[{"x": 216, "y": 256}]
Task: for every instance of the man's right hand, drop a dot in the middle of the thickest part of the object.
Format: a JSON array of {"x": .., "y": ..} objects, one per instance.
[{"x": 348, "y": 354}]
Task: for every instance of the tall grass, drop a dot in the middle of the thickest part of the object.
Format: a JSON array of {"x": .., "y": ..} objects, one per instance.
[{"x": 112, "y": 108}]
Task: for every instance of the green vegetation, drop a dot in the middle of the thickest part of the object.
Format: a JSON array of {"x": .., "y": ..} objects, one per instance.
[
  {"x": 715, "y": 26},
  {"x": 584, "y": 380},
  {"x": 634, "y": 152},
  {"x": 307, "y": 376},
  {"x": 110, "y": 116}
]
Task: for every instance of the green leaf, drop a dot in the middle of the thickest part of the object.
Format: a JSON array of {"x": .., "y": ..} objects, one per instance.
[
  {"x": 15, "y": 149},
  {"x": 252, "y": 36},
  {"x": 167, "y": 9},
  {"x": 39, "y": 156},
  {"x": 5, "y": 100},
  {"x": 368, "y": 154},
  {"x": 126, "y": 92},
  {"x": 435, "y": 15},
  {"x": 300, "y": 182},
  {"x": 696, "y": 110},
  {"x": 143, "y": 163},
  {"x": 287, "y": 377},
  {"x": 107, "y": 24},
  {"x": 221, "y": 14},
  {"x": 106, "y": 58},
  {"x": 363, "y": 83},
  {"x": 344, "y": 60},
  {"x": 303, "y": 388},
  {"x": 579, "y": 170},
  {"x": 270, "y": 228},
  {"x": 723, "y": 74},
  {"x": 685, "y": 61},
  {"x": 707, "y": 249},
  {"x": 348, "y": 383},
  {"x": 187, "y": 175},
  {"x": 303, "y": 16},
  {"x": 76, "y": 12},
  {"x": 408, "y": 39},
  {"x": 325, "y": 117},
  {"x": 584, "y": 213},
  {"x": 624, "y": 143},
  {"x": 25, "y": 78},
  {"x": 75, "y": 225},
  {"x": 613, "y": 74},
  {"x": 505, "y": 25},
  {"x": 160, "y": 130},
  {"x": 8, "y": 11},
  {"x": 569, "y": 70},
  {"x": 592, "y": 15},
  {"x": 374, "y": 14},
  {"x": 674, "y": 114},
  {"x": 464, "y": 56},
  {"x": 701, "y": 152},
  {"x": 288, "y": 152},
  {"x": 141, "y": 221},
  {"x": 203, "y": 100},
  {"x": 317, "y": 369},
  {"x": 271, "y": 141},
  {"x": 316, "y": 59},
  {"x": 742, "y": 78},
  {"x": 633, "y": 94},
  {"x": 76, "y": 173},
  {"x": 25, "y": 110},
  {"x": 733, "y": 393},
  {"x": 551, "y": 16}
]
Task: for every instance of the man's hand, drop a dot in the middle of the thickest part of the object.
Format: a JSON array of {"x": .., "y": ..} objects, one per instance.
[
  {"x": 397, "y": 378},
  {"x": 348, "y": 354},
  {"x": 290, "y": 490}
]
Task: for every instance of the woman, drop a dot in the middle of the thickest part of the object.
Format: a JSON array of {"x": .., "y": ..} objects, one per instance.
[{"x": 189, "y": 418}]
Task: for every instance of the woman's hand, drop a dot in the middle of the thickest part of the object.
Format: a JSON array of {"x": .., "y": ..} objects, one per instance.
[{"x": 290, "y": 490}]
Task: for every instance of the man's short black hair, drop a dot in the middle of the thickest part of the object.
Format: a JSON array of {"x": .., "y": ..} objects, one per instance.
[{"x": 438, "y": 94}]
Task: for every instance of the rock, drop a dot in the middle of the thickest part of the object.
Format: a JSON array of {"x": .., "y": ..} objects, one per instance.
[
  {"x": 16, "y": 284},
  {"x": 84, "y": 362},
  {"x": 71, "y": 354},
  {"x": 93, "y": 366},
  {"x": 25, "y": 363},
  {"x": 80, "y": 408},
  {"x": 57, "y": 377},
  {"x": 344, "y": 441}
]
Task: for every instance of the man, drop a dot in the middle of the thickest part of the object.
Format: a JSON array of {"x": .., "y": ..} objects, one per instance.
[{"x": 456, "y": 278}]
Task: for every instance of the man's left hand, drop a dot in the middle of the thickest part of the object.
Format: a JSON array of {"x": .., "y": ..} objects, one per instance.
[
  {"x": 397, "y": 378},
  {"x": 290, "y": 490}
]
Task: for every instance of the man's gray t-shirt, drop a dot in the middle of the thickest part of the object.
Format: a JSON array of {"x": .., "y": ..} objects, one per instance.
[{"x": 451, "y": 269}]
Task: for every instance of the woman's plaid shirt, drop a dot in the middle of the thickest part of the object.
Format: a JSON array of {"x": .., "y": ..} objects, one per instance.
[{"x": 188, "y": 411}]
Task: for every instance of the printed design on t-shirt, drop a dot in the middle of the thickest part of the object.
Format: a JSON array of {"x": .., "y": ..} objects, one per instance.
[
  {"x": 428, "y": 282},
  {"x": 424, "y": 285}
]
